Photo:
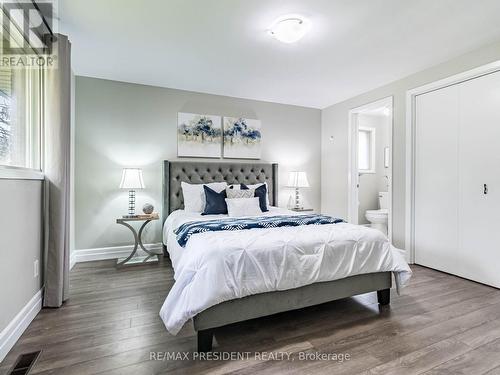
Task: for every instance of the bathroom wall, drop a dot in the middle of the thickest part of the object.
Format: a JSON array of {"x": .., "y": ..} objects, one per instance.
[{"x": 370, "y": 184}]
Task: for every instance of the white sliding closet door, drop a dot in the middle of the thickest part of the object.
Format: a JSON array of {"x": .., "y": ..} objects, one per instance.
[
  {"x": 479, "y": 164},
  {"x": 436, "y": 179},
  {"x": 457, "y": 179}
]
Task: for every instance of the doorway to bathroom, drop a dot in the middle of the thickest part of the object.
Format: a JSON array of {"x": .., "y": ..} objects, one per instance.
[{"x": 370, "y": 165}]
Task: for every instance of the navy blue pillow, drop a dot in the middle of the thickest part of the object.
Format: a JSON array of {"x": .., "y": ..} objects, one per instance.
[
  {"x": 216, "y": 202},
  {"x": 260, "y": 192}
]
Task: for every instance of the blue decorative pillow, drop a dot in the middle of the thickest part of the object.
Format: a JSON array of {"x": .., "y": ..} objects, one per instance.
[
  {"x": 260, "y": 192},
  {"x": 216, "y": 202}
]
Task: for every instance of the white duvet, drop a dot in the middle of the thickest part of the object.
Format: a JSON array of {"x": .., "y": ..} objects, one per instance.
[{"x": 219, "y": 266}]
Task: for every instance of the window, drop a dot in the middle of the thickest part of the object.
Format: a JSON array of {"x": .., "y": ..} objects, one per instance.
[
  {"x": 20, "y": 114},
  {"x": 20, "y": 118},
  {"x": 366, "y": 150}
]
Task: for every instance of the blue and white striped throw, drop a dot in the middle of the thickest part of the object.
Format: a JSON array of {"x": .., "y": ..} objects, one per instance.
[{"x": 186, "y": 230}]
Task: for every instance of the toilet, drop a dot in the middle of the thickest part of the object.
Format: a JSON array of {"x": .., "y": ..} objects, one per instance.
[{"x": 379, "y": 218}]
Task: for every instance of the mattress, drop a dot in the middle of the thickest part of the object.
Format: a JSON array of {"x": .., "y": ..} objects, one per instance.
[{"x": 215, "y": 267}]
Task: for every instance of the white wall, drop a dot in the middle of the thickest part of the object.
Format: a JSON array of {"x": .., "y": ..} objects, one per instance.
[
  {"x": 120, "y": 124},
  {"x": 335, "y": 123}
]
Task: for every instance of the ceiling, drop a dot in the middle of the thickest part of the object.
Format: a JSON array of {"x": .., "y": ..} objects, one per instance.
[{"x": 221, "y": 46}]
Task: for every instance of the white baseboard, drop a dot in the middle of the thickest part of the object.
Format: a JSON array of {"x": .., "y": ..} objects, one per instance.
[
  {"x": 72, "y": 259},
  {"x": 103, "y": 253},
  {"x": 14, "y": 330}
]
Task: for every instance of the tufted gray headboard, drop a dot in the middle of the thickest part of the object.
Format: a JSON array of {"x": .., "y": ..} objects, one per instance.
[{"x": 194, "y": 172}]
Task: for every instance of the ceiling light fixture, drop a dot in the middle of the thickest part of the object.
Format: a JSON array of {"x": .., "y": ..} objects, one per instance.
[{"x": 289, "y": 29}]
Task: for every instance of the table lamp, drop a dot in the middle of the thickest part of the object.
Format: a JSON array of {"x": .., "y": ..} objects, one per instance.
[
  {"x": 132, "y": 179},
  {"x": 297, "y": 180}
]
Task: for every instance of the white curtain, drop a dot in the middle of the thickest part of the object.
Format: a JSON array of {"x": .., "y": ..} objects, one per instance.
[{"x": 56, "y": 168}]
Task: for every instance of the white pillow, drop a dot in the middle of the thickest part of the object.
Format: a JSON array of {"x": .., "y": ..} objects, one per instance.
[
  {"x": 194, "y": 195},
  {"x": 237, "y": 207},
  {"x": 255, "y": 186},
  {"x": 236, "y": 194}
]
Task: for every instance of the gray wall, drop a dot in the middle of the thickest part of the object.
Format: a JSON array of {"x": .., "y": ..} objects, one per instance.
[
  {"x": 120, "y": 124},
  {"x": 20, "y": 245},
  {"x": 334, "y": 165},
  {"x": 370, "y": 184}
]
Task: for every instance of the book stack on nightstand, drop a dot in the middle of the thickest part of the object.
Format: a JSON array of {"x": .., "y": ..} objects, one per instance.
[
  {"x": 302, "y": 209},
  {"x": 153, "y": 216}
]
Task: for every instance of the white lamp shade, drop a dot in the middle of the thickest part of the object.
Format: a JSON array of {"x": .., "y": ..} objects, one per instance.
[
  {"x": 132, "y": 179},
  {"x": 298, "y": 180}
]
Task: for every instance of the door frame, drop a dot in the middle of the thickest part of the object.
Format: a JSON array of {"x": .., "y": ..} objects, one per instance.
[
  {"x": 411, "y": 96},
  {"x": 352, "y": 175}
]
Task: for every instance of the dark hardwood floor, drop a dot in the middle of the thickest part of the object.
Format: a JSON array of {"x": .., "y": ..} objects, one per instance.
[{"x": 441, "y": 324}]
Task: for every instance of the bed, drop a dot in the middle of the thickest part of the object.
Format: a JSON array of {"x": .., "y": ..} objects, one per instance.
[{"x": 214, "y": 299}]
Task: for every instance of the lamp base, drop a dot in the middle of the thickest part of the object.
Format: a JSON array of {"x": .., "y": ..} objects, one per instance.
[
  {"x": 297, "y": 199},
  {"x": 294, "y": 201},
  {"x": 131, "y": 202}
]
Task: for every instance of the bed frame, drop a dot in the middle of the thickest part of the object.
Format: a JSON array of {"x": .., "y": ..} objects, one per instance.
[{"x": 258, "y": 305}]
